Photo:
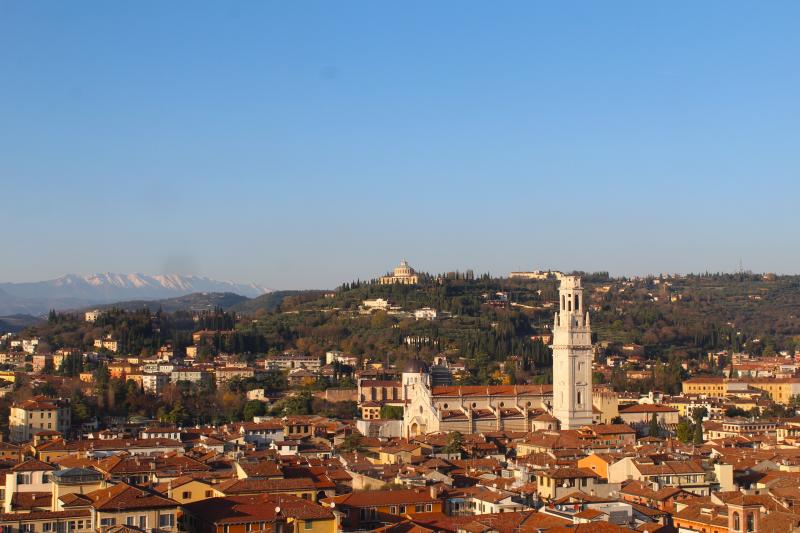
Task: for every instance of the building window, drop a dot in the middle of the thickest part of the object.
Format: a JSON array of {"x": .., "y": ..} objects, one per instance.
[
  {"x": 308, "y": 524},
  {"x": 186, "y": 495},
  {"x": 428, "y": 507},
  {"x": 108, "y": 521},
  {"x": 393, "y": 509},
  {"x": 166, "y": 520}
]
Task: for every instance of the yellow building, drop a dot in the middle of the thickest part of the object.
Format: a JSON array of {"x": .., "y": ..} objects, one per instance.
[
  {"x": 598, "y": 463},
  {"x": 10, "y": 451},
  {"x": 399, "y": 453},
  {"x": 186, "y": 489},
  {"x": 126, "y": 504},
  {"x": 39, "y": 413},
  {"x": 781, "y": 390},
  {"x": 106, "y": 343},
  {"x": 557, "y": 482},
  {"x": 708, "y": 386},
  {"x": 73, "y": 481},
  {"x": 370, "y": 411}
]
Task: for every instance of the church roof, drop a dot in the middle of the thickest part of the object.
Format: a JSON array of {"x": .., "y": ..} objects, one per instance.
[
  {"x": 415, "y": 366},
  {"x": 492, "y": 390}
]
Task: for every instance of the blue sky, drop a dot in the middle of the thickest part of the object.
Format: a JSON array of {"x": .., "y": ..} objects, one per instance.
[{"x": 300, "y": 144}]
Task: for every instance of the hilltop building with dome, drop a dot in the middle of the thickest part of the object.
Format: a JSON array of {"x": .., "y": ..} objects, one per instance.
[{"x": 403, "y": 274}]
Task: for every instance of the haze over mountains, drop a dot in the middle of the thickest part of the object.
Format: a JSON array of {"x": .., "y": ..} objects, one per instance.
[{"x": 73, "y": 291}]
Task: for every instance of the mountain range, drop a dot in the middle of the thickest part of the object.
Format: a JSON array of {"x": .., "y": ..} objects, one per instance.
[{"x": 74, "y": 291}]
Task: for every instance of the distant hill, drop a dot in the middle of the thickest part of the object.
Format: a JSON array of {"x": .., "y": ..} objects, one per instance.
[
  {"x": 271, "y": 301},
  {"x": 74, "y": 291},
  {"x": 15, "y": 323},
  {"x": 199, "y": 301}
]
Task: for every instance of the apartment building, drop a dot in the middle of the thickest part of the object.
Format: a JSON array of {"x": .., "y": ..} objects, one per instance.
[{"x": 38, "y": 414}]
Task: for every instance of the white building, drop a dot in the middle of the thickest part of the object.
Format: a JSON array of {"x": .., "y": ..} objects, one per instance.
[
  {"x": 289, "y": 361},
  {"x": 426, "y": 313},
  {"x": 572, "y": 357},
  {"x": 29, "y": 345},
  {"x": 27, "y": 477},
  {"x": 338, "y": 356},
  {"x": 531, "y": 274},
  {"x": 378, "y": 304},
  {"x": 258, "y": 394},
  {"x": 91, "y": 316},
  {"x": 192, "y": 375},
  {"x": 154, "y": 383}
]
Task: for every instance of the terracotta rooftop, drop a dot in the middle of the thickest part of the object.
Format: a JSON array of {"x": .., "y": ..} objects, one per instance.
[
  {"x": 123, "y": 497},
  {"x": 258, "y": 508}
]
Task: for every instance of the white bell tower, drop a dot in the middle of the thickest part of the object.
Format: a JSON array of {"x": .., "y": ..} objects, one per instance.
[{"x": 572, "y": 357}]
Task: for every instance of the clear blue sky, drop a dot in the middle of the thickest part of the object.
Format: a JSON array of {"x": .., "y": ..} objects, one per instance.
[{"x": 300, "y": 144}]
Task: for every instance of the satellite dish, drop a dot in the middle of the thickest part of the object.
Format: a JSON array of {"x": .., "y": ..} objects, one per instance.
[
  {"x": 333, "y": 504},
  {"x": 277, "y": 510}
]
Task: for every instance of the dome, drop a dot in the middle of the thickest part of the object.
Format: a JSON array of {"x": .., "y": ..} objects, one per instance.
[
  {"x": 415, "y": 366},
  {"x": 403, "y": 269}
]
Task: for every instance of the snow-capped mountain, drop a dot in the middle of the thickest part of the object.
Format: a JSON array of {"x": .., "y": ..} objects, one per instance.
[{"x": 74, "y": 290}]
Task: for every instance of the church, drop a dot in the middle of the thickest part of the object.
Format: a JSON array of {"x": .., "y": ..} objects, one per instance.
[
  {"x": 567, "y": 404},
  {"x": 402, "y": 274}
]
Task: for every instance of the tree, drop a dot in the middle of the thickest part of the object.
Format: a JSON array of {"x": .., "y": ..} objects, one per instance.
[
  {"x": 80, "y": 411},
  {"x": 684, "y": 431},
  {"x": 352, "y": 443},
  {"x": 454, "y": 441},
  {"x": 299, "y": 404},
  {"x": 655, "y": 429},
  {"x": 735, "y": 411},
  {"x": 698, "y": 434},
  {"x": 617, "y": 420},
  {"x": 253, "y": 408},
  {"x": 391, "y": 412},
  {"x": 698, "y": 414}
]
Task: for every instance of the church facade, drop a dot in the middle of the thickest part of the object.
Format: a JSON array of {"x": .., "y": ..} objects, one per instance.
[{"x": 402, "y": 274}]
